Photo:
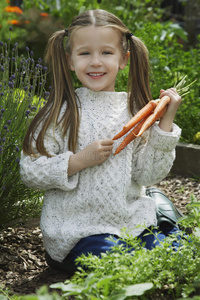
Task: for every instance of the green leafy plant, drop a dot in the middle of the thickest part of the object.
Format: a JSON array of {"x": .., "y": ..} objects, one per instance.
[
  {"x": 92, "y": 285},
  {"x": 41, "y": 294},
  {"x": 22, "y": 82},
  {"x": 192, "y": 219}
]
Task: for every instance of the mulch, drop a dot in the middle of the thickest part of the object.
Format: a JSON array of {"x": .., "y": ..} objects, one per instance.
[{"x": 23, "y": 269}]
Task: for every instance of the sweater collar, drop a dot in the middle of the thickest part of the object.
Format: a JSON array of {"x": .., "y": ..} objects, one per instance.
[{"x": 86, "y": 94}]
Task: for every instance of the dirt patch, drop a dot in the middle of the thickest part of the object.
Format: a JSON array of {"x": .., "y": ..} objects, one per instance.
[{"x": 22, "y": 265}]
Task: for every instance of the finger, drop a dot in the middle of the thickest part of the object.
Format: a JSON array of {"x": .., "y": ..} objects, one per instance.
[
  {"x": 107, "y": 148},
  {"x": 107, "y": 142},
  {"x": 172, "y": 91},
  {"x": 168, "y": 93}
]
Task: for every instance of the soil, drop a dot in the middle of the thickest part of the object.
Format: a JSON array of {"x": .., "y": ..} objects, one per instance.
[{"x": 23, "y": 269}]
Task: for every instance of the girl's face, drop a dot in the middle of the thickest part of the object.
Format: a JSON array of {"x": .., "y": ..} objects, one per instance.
[{"x": 96, "y": 57}]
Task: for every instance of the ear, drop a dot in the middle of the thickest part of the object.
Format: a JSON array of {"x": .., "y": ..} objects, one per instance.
[
  {"x": 70, "y": 62},
  {"x": 124, "y": 60}
]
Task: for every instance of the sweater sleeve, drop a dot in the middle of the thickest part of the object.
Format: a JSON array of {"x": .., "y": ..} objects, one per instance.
[
  {"x": 154, "y": 155},
  {"x": 45, "y": 173}
]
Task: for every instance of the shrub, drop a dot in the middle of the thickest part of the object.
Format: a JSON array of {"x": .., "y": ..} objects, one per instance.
[{"x": 21, "y": 79}]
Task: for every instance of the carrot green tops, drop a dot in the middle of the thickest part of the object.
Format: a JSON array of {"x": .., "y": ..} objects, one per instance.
[{"x": 104, "y": 198}]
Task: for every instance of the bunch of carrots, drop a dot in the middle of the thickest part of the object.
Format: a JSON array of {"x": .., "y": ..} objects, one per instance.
[{"x": 147, "y": 116}]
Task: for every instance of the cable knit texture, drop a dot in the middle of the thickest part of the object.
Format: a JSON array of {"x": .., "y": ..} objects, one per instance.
[{"x": 104, "y": 198}]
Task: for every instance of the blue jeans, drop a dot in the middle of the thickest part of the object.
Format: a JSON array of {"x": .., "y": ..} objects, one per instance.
[{"x": 97, "y": 244}]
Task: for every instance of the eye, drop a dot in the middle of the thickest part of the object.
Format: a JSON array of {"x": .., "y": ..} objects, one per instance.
[
  {"x": 84, "y": 53},
  {"x": 107, "y": 52}
]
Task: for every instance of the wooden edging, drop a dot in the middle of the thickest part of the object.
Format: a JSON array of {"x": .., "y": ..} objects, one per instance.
[{"x": 187, "y": 162}]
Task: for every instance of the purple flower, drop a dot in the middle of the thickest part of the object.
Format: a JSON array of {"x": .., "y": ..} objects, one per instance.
[
  {"x": 1, "y": 94},
  {"x": 2, "y": 69},
  {"x": 10, "y": 28},
  {"x": 17, "y": 149},
  {"x": 2, "y": 110},
  {"x": 46, "y": 95},
  {"x": 27, "y": 113},
  {"x": 1, "y": 44},
  {"x": 27, "y": 49},
  {"x": 5, "y": 127},
  {"x": 17, "y": 160},
  {"x": 9, "y": 122},
  {"x": 25, "y": 88},
  {"x": 1, "y": 149},
  {"x": 11, "y": 84}
]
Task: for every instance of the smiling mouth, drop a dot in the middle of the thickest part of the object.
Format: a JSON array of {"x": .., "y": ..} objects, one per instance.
[{"x": 96, "y": 75}]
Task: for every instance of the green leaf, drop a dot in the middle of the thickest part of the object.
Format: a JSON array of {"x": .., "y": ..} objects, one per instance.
[
  {"x": 3, "y": 297},
  {"x": 106, "y": 280},
  {"x": 70, "y": 287},
  {"x": 138, "y": 289},
  {"x": 131, "y": 290}
]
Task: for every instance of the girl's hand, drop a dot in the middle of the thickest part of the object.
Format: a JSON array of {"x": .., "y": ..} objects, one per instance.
[
  {"x": 167, "y": 119},
  {"x": 94, "y": 154}
]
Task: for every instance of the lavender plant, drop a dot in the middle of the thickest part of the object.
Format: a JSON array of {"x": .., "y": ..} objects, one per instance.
[{"x": 22, "y": 85}]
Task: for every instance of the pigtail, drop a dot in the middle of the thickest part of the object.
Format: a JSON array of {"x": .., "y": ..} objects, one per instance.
[
  {"x": 61, "y": 91},
  {"x": 138, "y": 80},
  {"x": 62, "y": 87}
]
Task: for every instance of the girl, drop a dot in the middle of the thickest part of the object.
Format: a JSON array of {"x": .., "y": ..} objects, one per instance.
[{"x": 68, "y": 149}]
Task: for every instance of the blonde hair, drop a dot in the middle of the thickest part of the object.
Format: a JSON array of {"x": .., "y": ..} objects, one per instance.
[{"x": 62, "y": 90}]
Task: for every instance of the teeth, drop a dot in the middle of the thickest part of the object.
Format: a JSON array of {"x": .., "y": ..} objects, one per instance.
[{"x": 96, "y": 74}]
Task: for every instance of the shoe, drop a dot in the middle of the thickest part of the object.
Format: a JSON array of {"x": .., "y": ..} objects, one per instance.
[{"x": 166, "y": 210}]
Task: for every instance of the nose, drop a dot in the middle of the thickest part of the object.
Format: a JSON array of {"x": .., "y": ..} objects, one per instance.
[{"x": 95, "y": 60}]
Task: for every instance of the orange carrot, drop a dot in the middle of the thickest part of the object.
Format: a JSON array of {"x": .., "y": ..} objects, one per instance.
[
  {"x": 120, "y": 134},
  {"x": 161, "y": 104},
  {"x": 157, "y": 114},
  {"x": 145, "y": 111},
  {"x": 130, "y": 137}
]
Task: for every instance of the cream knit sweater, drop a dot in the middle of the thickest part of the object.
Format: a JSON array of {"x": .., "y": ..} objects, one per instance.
[{"x": 104, "y": 198}]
